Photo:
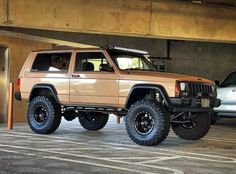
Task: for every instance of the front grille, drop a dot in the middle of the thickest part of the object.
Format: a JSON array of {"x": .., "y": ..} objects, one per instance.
[{"x": 199, "y": 88}]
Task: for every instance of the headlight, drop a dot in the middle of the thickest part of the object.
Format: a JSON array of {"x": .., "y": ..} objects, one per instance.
[
  {"x": 181, "y": 89},
  {"x": 183, "y": 86},
  {"x": 177, "y": 89}
]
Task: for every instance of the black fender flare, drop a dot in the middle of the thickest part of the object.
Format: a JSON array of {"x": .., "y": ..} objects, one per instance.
[
  {"x": 49, "y": 87},
  {"x": 159, "y": 88}
]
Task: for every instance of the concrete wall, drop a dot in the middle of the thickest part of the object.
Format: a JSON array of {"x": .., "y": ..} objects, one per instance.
[
  {"x": 18, "y": 52},
  {"x": 210, "y": 60},
  {"x": 205, "y": 59}
]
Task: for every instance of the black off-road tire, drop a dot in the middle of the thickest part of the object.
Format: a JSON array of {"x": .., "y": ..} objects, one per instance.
[
  {"x": 146, "y": 130},
  {"x": 50, "y": 111},
  {"x": 70, "y": 115},
  {"x": 201, "y": 128},
  {"x": 93, "y": 120}
]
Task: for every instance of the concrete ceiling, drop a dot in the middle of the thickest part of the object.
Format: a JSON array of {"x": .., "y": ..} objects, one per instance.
[{"x": 169, "y": 19}]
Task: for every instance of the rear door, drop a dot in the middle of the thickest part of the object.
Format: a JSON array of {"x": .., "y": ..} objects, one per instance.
[
  {"x": 49, "y": 68},
  {"x": 91, "y": 86}
]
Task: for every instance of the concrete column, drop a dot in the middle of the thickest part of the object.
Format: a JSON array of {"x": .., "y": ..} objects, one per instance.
[{"x": 3, "y": 11}]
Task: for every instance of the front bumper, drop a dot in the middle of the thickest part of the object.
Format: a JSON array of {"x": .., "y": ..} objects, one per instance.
[{"x": 193, "y": 104}]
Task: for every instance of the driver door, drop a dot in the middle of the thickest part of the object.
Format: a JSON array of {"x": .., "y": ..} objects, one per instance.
[{"x": 91, "y": 86}]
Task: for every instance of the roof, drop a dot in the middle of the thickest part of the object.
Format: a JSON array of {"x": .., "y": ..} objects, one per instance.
[
  {"x": 65, "y": 49},
  {"x": 109, "y": 47}
]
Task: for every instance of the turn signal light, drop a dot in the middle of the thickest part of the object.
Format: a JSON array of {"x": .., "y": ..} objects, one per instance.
[{"x": 177, "y": 89}]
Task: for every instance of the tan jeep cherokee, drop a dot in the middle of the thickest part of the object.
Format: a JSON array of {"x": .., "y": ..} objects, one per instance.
[{"x": 92, "y": 83}]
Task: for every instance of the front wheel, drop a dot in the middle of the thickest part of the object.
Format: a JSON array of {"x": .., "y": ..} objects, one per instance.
[
  {"x": 147, "y": 123},
  {"x": 197, "y": 126}
]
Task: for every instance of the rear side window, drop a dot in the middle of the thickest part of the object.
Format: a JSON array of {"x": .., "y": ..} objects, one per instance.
[{"x": 52, "y": 62}]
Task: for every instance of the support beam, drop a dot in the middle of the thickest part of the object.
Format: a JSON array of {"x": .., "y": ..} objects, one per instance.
[
  {"x": 143, "y": 18},
  {"x": 194, "y": 22},
  {"x": 46, "y": 40}
]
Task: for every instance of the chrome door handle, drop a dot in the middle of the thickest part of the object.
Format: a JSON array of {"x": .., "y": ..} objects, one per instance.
[{"x": 75, "y": 75}]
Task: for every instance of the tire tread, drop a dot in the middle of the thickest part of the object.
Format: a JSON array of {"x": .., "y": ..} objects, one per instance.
[
  {"x": 54, "y": 112},
  {"x": 163, "y": 118}
]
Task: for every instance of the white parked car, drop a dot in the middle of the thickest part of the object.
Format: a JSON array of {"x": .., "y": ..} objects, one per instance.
[{"x": 226, "y": 92}]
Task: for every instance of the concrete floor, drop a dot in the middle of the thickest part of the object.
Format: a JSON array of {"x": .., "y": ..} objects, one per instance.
[{"x": 74, "y": 150}]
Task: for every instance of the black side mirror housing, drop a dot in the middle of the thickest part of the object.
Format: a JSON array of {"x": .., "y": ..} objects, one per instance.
[
  {"x": 105, "y": 67},
  {"x": 217, "y": 82}
]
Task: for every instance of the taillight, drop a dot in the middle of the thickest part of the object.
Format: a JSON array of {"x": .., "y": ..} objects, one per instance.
[
  {"x": 177, "y": 89},
  {"x": 18, "y": 85}
]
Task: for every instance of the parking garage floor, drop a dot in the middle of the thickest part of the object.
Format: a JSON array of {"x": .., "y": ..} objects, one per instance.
[{"x": 73, "y": 150}]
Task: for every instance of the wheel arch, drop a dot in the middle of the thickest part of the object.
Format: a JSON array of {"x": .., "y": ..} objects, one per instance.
[
  {"x": 143, "y": 89},
  {"x": 44, "y": 89}
]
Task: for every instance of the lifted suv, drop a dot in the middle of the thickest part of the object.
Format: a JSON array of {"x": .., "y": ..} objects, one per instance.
[{"x": 92, "y": 83}]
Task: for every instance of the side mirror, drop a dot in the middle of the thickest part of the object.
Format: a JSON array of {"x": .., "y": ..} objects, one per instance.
[
  {"x": 105, "y": 67},
  {"x": 217, "y": 82}
]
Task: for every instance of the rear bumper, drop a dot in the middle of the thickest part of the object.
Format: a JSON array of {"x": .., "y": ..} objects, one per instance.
[
  {"x": 194, "y": 104},
  {"x": 18, "y": 96}
]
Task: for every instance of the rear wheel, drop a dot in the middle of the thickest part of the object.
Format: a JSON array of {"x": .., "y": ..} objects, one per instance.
[
  {"x": 93, "y": 121},
  {"x": 147, "y": 123},
  {"x": 43, "y": 115},
  {"x": 196, "y": 127}
]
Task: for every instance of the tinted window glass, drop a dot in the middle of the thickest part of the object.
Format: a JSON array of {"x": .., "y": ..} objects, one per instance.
[
  {"x": 89, "y": 61},
  {"x": 52, "y": 62},
  {"x": 230, "y": 80}
]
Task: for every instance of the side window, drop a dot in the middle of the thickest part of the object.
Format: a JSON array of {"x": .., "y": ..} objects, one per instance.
[
  {"x": 90, "y": 61},
  {"x": 52, "y": 62}
]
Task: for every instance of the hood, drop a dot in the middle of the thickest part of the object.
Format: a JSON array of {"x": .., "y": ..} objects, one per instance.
[{"x": 161, "y": 77}]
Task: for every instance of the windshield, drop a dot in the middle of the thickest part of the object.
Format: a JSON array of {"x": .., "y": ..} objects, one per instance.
[
  {"x": 230, "y": 80},
  {"x": 131, "y": 61}
]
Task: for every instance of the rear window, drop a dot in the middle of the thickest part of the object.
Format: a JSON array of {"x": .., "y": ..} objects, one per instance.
[{"x": 51, "y": 62}]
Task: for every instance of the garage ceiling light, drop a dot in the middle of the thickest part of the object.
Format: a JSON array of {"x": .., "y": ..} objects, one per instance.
[
  {"x": 198, "y": 1},
  {"x": 231, "y": 3}
]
